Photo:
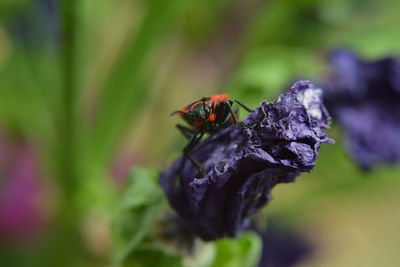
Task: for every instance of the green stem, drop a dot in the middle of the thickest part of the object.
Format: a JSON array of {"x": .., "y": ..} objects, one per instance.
[
  {"x": 65, "y": 239},
  {"x": 123, "y": 93},
  {"x": 67, "y": 122}
]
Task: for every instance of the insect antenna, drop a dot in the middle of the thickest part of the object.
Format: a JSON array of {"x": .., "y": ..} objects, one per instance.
[{"x": 175, "y": 112}]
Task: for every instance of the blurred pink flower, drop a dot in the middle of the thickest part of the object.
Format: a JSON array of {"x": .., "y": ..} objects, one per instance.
[
  {"x": 21, "y": 191},
  {"x": 122, "y": 165}
]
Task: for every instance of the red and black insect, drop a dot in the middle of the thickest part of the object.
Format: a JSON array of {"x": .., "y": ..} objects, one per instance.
[{"x": 206, "y": 116}]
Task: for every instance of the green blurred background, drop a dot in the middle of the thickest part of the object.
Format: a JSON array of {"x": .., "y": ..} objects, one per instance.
[{"x": 86, "y": 88}]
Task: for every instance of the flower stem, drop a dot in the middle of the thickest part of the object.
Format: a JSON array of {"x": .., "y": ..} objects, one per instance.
[{"x": 67, "y": 123}]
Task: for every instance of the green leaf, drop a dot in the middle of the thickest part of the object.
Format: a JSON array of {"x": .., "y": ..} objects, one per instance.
[
  {"x": 141, "y": 203},
  {"x": 240, "y": 252},
  {"x": 124, "y": 91}
]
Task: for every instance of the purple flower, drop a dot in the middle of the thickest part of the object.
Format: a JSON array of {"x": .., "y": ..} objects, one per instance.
[
  {"x": 283, "y": 248},
  {"x": 364, "y": 98},
  {"x": 243, "y": 166}
]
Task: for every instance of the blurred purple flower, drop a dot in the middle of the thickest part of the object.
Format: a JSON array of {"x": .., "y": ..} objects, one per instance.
[
  {"x": 21, "y": 215},
  {"x": 243, "y": 166},
  {"x": 37, "y": 23},
  {"x": 282, "y": 248},
  {"x": 364, "y": 98}
]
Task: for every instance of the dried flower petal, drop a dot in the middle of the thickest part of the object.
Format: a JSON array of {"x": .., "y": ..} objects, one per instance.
[{"x": 243, "y": 166}]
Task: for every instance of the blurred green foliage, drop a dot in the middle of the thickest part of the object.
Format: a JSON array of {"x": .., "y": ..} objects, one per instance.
[
  {"x": 141, "y": 204},
  {"x": 244, "y": 251}
]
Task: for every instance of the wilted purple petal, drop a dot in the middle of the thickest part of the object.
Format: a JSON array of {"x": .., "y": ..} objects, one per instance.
[
  {"x": 243, "y": 166},
  {"x": 364, "y": 97}
]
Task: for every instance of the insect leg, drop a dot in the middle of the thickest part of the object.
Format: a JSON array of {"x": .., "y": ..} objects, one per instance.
[
  {"x": 193, "y": 141},
  {"x": 186, "y": 131},
  {"x": 242, "y": 105},
  {"x": 228, "y": 118},
  {"x": 235, "y": 120}
]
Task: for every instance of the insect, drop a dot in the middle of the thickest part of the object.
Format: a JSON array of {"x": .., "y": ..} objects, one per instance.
[{"x": 207, "y": 115}]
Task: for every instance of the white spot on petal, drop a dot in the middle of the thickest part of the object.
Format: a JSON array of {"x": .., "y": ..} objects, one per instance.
[{"x": 311, "y": 100}]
